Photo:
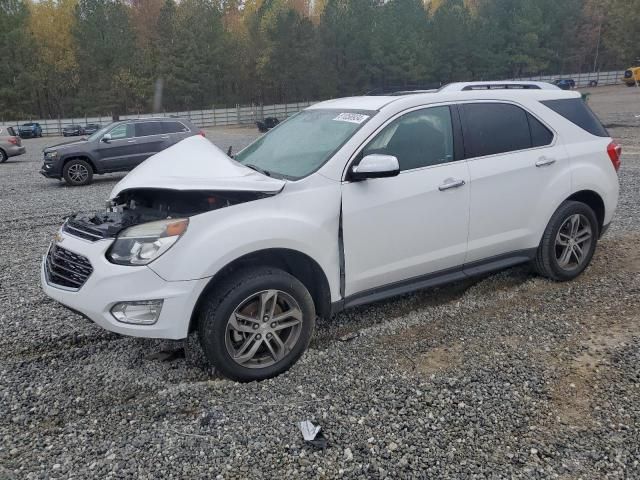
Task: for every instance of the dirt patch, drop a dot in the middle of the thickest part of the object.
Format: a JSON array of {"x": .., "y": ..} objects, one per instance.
[
  {"x": 575, "y": 394},
  {"x": 437, "y": 360}
]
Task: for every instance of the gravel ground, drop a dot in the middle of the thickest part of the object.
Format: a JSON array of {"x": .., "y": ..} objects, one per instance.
[{"x": 508, "y": 376}]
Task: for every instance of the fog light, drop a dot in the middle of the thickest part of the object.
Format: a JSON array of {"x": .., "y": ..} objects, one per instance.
[{"x": 144, "y": 312}]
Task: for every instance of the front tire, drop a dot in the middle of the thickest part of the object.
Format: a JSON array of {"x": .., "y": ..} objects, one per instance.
[
  {"x": 77, "y": 172},
  {"x": 568, "y": 242},
  {"x": 256, "y": 324}
]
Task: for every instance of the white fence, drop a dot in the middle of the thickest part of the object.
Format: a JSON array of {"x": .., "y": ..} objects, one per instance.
[
  {"x": 247, "y": 115},
  {"x": 583, "y": 79},
  {"x": 201, "y": 118}
]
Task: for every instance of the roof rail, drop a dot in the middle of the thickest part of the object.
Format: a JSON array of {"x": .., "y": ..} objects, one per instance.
[
  {"x": 498, "y": 85},
  {"x": 404, "y": 89}
]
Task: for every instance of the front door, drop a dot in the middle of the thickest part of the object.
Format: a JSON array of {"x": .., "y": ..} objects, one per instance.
[
  {"x": 406, "y": 227},
  {"x": 117, "y": 153}
]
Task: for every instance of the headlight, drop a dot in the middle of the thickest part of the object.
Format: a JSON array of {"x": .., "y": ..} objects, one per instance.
[
  {"x": 142, "y": 244},
  {"x": 50, "y": 155}
]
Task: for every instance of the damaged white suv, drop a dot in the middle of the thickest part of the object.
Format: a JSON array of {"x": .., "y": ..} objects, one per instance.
[{"x": 348, "y": 202}]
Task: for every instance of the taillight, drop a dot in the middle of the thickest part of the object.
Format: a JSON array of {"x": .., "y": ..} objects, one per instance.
[
  {"x": 615, "y": 151},
  {"x": 13, "y": 140},
  {"x": 201, "y": 132}
]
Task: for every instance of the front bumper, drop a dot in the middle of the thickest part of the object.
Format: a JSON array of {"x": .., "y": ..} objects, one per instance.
[
  {"x": 50, "y": 170},
  {"x": 110, "y": 284}
]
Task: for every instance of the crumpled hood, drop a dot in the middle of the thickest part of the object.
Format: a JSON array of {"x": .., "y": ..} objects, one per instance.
[{"x": 196, "y": 164}]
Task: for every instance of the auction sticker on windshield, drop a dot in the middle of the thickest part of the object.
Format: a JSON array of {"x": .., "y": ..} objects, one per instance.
[{"x": 351, "y": 117}]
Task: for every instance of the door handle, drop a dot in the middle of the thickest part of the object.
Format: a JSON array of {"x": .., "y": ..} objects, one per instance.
[
  {"x": 451, "y": 183},
  {"x": 166, "y": 137},
  {"x": 545, "y": 162},
  {"x": 131, "y": 141}
]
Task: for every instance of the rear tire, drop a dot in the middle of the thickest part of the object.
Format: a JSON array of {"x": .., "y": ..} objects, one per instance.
[
  {"x": 3, "y": 156},
  {"x": 256, "y": 324},
  {"x": 77, "y": 172},
  {"x": 568, "y": 242}
]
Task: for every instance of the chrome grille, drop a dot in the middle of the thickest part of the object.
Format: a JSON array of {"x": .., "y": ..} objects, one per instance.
[
  {"x": 67, "y": 269},
  {"x": 81, "y": 230}
]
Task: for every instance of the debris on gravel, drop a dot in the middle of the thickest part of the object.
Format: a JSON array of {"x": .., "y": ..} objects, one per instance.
[{"x": 506, "y": 376}]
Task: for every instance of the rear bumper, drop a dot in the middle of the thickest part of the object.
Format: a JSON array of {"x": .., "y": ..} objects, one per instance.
[
  {"x": 109, "y": 284},
  {"x": 15, "y": 150}
]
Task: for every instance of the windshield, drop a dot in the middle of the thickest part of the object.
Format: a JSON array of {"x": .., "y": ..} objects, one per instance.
[
  {"x": 303, "y": 143},
  {"x": 98, "y": 134}
]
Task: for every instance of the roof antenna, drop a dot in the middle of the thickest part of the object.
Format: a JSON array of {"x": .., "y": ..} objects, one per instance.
[{"x": 229, "y": 154}]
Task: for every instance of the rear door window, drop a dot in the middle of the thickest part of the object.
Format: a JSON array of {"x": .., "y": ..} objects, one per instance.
[
  {"x": 174, "y": 127},
  {"x": 146, "y": 129},
  {"x": 540, "y": 135},
  {"x": 577, "y": 112},
  {"x": 493, "y": 128}
]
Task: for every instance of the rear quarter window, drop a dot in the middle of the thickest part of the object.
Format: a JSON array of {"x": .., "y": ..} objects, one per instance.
[{"x": 577, "y": 112}]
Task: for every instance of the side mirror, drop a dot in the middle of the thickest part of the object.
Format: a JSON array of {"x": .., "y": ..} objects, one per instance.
[
  {"x": 375, "y": 166},
  {"x": 106, "y": 138}
]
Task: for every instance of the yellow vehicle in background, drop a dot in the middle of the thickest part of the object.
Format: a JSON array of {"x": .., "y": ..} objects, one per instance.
[{"x": 632, "y": 76}]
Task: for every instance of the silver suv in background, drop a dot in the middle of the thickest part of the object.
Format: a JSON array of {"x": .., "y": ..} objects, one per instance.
[
  {"x": 119, "y": 147},
  {"x": 10, "y": 143}
]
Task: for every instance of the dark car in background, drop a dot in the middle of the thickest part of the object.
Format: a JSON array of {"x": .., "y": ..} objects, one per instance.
[
  {"x": 91, "y": 128},
  {"x": 118, "y": 147},
  {"x": 72, "y": 131},
  {"x": 267, "y": 124},
  {"x": 30, "y": 130},
  {"x": 565, "y": 83}
]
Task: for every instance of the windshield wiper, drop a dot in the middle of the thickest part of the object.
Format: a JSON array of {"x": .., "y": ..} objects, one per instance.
[{"x": 258, "y": 169}]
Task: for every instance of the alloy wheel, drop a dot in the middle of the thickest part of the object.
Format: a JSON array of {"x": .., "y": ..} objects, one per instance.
[
  {"x": 78, "y": 173},
  {"x": 263, "y": 329},
  {"x": 573, "y": 242}
]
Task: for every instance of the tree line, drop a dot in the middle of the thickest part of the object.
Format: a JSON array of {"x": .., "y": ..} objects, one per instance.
[{"x": 77, "y": 57}]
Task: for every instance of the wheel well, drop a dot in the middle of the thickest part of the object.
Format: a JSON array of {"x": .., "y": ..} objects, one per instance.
[
  {"x": 301, "y": 266},
  {"x": 593, "y": 200},
  {"x": 80, "y": 157}
]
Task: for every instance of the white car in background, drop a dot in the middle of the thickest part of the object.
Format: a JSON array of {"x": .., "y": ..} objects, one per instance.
[{"x": 348, "y": 202}]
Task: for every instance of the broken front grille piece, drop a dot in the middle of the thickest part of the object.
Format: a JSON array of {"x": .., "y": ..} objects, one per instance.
[
  {"x": 82, "y": 230},
  {"x": 67, "y": 269}
]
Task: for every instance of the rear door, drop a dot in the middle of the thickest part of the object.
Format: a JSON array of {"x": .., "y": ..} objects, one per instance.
[
  {"x": 119, "y": 152},
  {"x": 518, "y": 170},
  {"x": 174, "y": 131},
  {"x": 150, "y": 139}
]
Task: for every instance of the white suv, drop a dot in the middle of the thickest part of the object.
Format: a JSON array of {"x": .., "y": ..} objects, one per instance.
[{"x": 348, "y": 202}]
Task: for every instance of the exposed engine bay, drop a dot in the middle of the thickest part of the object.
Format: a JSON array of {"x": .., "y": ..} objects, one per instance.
[{"x": 137, "y": 206}]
